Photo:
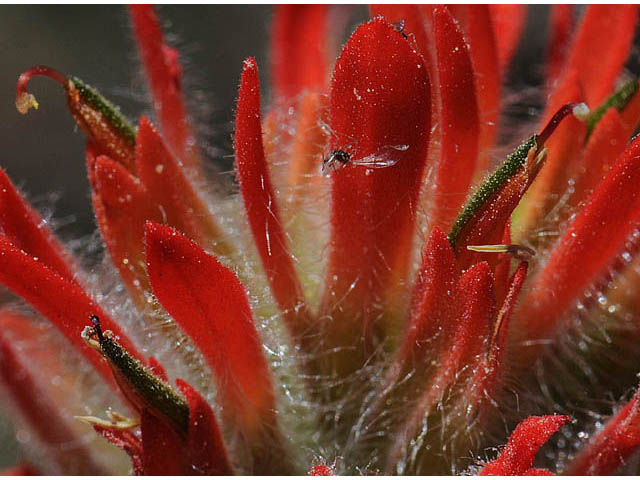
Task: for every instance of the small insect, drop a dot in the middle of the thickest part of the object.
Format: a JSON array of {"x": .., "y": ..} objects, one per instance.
[
  {"x": 399, "y": 27},
  {"x": 340, "y": 158}
]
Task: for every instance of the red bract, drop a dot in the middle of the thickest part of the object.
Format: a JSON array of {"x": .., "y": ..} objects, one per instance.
[
  {"x": 598, "y": 63},
  {"x": 508, "y": 24},
  {"x": 523, "y": 445},
  {"x": 379, "y": 105},
  {"x": 261, "y": 203},
  {"x": 581, "y": 255},
  {"x": 366, "y": 296},
  {"x": 210, "y": 305},
  {"x": 560, "y": 24},
  {"x": 299, "y": 48},
  {"x": 611, "y": 447},
  {"x": 164, "y": 74},
  {"x": 29, "y": 391},
  {"x": 479, "y": 33},
  {"x": 459, "y": 117},
  {"x": 207, "y": 452}
]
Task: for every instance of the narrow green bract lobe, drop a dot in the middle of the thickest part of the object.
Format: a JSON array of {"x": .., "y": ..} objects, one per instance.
[
  {"x": 111, "y": 112},
  {"x": 618, "y": 100},
  {"x": 155, "y": 395},
  {"x": 514, "y": 162}
]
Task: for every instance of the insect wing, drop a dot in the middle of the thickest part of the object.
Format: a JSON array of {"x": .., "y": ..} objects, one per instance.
[{"x": 377, "y": 160}]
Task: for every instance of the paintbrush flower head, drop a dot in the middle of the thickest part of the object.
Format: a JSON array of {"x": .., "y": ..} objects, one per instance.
[{"x": 400, "y": 287}]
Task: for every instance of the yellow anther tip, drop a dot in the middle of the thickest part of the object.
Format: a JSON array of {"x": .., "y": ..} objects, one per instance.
[
  {"x": 581, "y": 112},
  {"x": 25, "y": 102}
]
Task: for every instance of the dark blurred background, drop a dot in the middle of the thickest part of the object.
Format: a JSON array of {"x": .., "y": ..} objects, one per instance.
[{"x": 44, "y": 153}]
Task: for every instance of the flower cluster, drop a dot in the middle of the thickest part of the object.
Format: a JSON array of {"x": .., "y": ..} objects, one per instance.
[{"x": 384, "y": 295}]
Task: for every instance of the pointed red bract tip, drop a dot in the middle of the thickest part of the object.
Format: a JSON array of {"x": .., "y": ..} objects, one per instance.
[
  {"x": 610, "y": 448},
  {"x": 477, "y": 303},
  {"x": 379, "y": 105},
  {"x": 205, "y": 447},
  {"x": 299, "y": 48},
  {"x": 164, "y": 73},
  {"x": 261, "y": 204},
  {"x": 523, "y": 445},
  {"x": 170, "y": 192}
]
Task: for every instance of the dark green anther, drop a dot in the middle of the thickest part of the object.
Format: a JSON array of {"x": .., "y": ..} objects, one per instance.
[
  {"x": 111, "y": 112},
  {"x": 159, "y": 395},
  {"x": 618, "y": 100},
  {"x": 514, "y": 162}
]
